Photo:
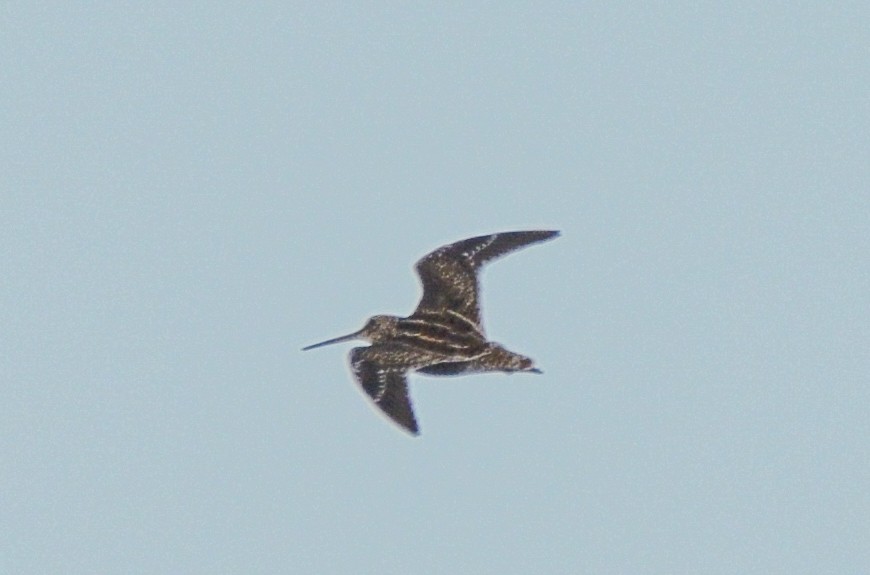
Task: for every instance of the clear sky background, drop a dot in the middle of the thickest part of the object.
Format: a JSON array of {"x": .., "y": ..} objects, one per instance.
[{"x": 191, "y": 192}]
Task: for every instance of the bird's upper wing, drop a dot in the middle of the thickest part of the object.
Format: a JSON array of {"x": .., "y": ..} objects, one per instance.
[{"x": 449, "y": 274}]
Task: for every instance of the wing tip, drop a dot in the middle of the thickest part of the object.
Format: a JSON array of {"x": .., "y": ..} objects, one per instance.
[{"x": 532, "y": 236}]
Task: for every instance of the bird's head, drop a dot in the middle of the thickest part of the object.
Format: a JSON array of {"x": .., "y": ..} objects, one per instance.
[{"x": 377, "y": 328}]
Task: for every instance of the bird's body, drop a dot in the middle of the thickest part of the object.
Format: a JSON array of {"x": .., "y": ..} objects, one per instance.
[{"x": 444, "y": 335}]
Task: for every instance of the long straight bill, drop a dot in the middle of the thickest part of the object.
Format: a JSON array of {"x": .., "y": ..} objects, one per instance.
[{"x": 347, "y": 337}]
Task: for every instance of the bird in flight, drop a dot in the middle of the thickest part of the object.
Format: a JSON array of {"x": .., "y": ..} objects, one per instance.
[{"x": 444, "y": 335}]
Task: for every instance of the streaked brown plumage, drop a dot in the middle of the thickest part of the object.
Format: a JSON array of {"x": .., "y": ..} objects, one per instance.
[{"x": 444, "y": 335}]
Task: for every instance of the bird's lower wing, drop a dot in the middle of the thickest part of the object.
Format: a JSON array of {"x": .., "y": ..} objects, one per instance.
[
  {"x": 387, "y": 387},
  {"x": 451, "y": 368}
]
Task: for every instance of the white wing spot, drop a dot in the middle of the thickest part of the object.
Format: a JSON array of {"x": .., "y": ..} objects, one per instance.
[
  {"x": 382, "y": 385},
  {"x": 470, "y": 254}
]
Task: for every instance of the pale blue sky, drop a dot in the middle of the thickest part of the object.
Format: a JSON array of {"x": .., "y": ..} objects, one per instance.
[{"x": 190, "y": 194}]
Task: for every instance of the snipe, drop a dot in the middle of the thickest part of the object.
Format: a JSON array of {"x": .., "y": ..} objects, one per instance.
[{"x": 444, "y": 335}]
